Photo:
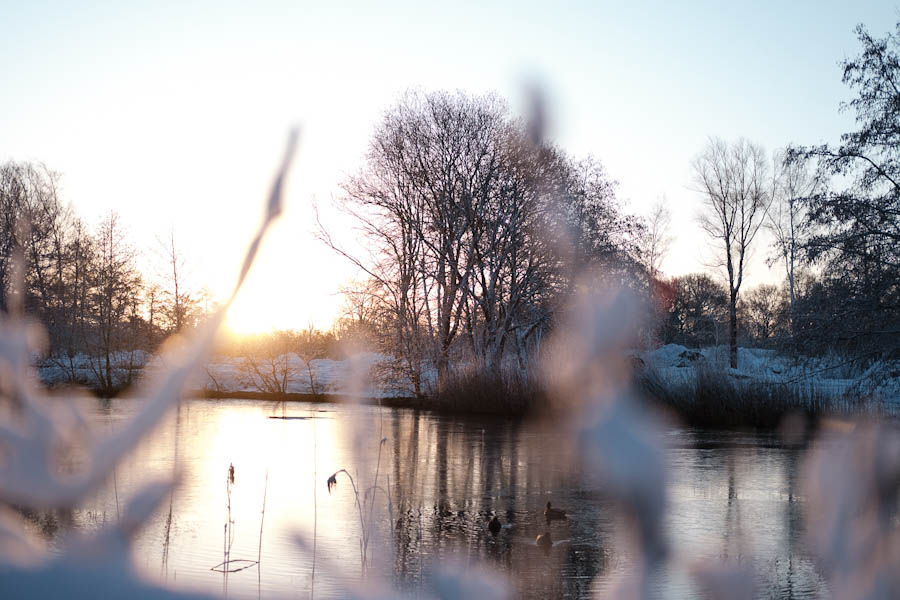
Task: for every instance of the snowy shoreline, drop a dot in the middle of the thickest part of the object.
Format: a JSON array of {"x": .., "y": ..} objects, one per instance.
[{"x": 672, "y": 365}]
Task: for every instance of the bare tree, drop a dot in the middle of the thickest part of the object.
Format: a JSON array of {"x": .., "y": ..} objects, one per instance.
[
  {"x": 733, "y": 179},
  {"x": 656, "y": 239},
  {"x": 763, "y": 311},
  {"x": 430, "y": 175},
  {"x": 180, "y": 302},
  {"x": 115, "y": 286},
  {"x": 266, "y": 362},
  {"x": 795, "y": 185},
  {"x": 34, "y": 221},
  {"x": 654, "y": 242},
  {"x": 79, "y": 258},
  {"x": 310, "y": 347},
  {"x": 358, "y": 322},
  {"x": 698, "y": 309},
  {"x": 455, "y": 203}
]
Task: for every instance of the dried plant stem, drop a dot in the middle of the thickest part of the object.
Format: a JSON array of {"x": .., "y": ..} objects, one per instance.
[
  {"x": 359, "y": 510},
  {"x": 229, "y": 531},
  {"x": 262, "y": 519},
  {"x": 364, "y": 523},
  {"x": 263, "y": 516}
]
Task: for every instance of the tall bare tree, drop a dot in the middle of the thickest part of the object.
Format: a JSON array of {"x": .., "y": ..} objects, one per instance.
[
  {"x": 430, "y": 174},
  {"x": 795, "y": 185},
  {"x": 455, "y": 203},
  {"x": 180, "y": 301},
  {"x": 734, "y": 182},
  {"x": 116, "y": 284}
]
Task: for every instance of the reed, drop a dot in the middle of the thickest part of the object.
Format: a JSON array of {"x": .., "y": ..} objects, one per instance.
[
  {"x": 228, "y": 564},
  {"x": 262, "y": 520},
  {"x": 471, "y": 391},
  {"x": 365, "y": 505},
  {"x": 716, "y": 399}
]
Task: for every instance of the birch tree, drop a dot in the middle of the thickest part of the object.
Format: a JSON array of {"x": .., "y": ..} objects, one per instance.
[{"x": 795, "y": 185}]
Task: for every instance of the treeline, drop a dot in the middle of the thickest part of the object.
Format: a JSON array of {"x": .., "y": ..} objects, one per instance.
[
  {"x": 477, "y": 231},
  {"x": 273, "y": 362},
  {"x": 834, "y": 214},
  {"x": 697, "y": 315},
  {"x": 102, "y": 315}
]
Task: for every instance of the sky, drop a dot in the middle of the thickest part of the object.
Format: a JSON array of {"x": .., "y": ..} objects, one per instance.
[{"x": 174, "y": 114}]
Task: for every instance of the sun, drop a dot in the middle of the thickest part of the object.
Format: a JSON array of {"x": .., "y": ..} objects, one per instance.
[{"x": 282, "y": 305}]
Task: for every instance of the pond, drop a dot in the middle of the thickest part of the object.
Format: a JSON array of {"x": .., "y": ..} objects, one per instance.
[{"x": 732, "y": 496}]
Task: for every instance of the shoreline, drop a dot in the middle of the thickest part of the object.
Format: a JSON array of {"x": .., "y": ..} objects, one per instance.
[{"x": 388, "y": 401}]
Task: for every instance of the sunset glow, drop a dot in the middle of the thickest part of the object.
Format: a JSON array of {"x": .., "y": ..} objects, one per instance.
[{"x": 175, "y": 116}]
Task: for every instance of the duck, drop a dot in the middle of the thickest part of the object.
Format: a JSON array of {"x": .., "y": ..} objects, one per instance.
[
  {"x": 494, "y": 526},
  {"x": 553, "y": 513},
  {"x": 544, "y": 542}
]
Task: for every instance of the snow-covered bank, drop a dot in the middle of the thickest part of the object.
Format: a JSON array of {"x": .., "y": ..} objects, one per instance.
[
  {"x": 357, "y": 376},
  {"x": 360, "y": 375},
  {"x": 672, "y": 366},
  {"x": 832, "y": 377}
]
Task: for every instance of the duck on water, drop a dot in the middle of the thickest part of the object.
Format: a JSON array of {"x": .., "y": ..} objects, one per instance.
[
  {"x": 494, "y": 526},
  {"x": 554, "y": 514}
]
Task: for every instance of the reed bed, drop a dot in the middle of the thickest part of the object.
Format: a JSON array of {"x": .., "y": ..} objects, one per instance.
[
  {"x": 509, "y": 393},
  {"x": 713, "y": 398}
]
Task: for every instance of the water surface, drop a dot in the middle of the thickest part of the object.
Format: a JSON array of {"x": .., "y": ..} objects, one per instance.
[{"x": 732, "y": 497}]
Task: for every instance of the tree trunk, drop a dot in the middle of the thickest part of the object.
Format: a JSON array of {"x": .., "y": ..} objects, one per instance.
[
  {"x": 732, "y": 331},
  {"x": 443, "y": 370}
]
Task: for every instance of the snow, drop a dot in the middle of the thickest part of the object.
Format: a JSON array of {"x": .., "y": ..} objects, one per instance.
[
  {"x": 358, "y": 376},
  {"x": 828, "y": 375},
  {"x": 82, "y": 368}
]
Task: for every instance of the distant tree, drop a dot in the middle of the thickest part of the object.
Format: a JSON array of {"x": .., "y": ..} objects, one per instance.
[
  {"x": 74, "y": 325},
  {"x": 795, "y": 185},
  {"x": 180, "y": 302},
  {"x": 697, "y": 312},
  {"x": 311, "y": 345},
  {"x": 357, "y": 325},
  {"x": 33, "y": 221},
  {"x": 115, "y": 288},
  {"x": 657, "y": 237},
  {"x": 764, "y": 311},
  {"x": 603, "y": 241},
  {"x": 154, "y": 305},
  {"x": 734, "y": 182},
  {"x": 266, "y": 364},
  {"x": 654, "y": 242},
  {"x": 858, "y": 217}
]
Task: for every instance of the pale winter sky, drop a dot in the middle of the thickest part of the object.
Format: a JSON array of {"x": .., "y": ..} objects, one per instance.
[{"x": 175, "y": 113}]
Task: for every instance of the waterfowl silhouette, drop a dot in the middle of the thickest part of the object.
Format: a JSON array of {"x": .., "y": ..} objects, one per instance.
[
  {"x": 551, "y": 513},
  {"x": 494, "y": 526},
  {"x": 544, "y": 542}
]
